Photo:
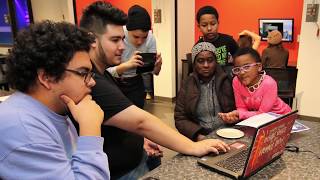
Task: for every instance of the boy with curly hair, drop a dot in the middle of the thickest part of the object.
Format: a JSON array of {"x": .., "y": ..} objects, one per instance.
[{"x": 50, "y": 68}]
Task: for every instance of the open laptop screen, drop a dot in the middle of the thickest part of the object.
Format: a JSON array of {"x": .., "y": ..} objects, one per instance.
[{"x": 270, "y": 142}]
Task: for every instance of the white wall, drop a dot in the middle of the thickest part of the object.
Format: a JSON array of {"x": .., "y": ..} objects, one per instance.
[
  {"x": 55, "y": 10},
  {"x": 186, "y": 20},
  {"x": 67, "y": 10},
  {"x": 308, "y": 86},
  {"x": 164, "y": 84}
]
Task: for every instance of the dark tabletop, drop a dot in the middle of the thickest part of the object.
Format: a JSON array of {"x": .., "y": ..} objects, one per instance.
[{"x": 291, "y": 165}]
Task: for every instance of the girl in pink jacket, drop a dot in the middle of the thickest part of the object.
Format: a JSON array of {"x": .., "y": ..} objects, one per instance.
[{"x": 254, "y": 91}]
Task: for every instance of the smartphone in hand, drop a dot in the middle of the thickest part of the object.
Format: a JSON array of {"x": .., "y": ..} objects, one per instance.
[{"x": 149, "y": 59}]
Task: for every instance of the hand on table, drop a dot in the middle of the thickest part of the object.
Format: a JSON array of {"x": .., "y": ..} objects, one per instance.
[
  {"x": 230, "y": 117},
  {"x": 152, "y": 149}
]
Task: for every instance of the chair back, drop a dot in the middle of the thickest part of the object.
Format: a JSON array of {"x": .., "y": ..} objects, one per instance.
[
  {"x": 190, "y": 65},
  {"x": 3, "y": 73},
  {"x": 286, "y": 79}
]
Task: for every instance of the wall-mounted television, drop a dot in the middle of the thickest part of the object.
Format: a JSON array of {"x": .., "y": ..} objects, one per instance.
[
  {"x": 14, "y": 16},
  {"x": 285, "y": 26},
  {"x": 6, "y": 33},
  {"x": 22, "y": 13}
]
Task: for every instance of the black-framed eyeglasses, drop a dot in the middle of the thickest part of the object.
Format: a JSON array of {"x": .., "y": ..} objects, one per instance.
[{"x": 86, "y": 74}]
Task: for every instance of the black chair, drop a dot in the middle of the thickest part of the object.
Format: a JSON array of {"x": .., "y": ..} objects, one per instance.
[
  {"x": 3, "y": 68},
  {"x": 190, "y": 65},
  {"x": 186, "y": 66},
  {"x": 286, "y": 79}
]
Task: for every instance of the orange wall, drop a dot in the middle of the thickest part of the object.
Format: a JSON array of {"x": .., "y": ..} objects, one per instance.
[
  {"x": 126, "y": 4},
  {"x": 237, "y": 15},
  {"x": 121, "y": 4}
]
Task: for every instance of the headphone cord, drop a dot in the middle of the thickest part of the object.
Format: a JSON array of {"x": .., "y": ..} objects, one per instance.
[{"x": 296, "y": 149}]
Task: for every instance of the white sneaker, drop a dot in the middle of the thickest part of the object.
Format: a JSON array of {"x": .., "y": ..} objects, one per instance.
[{"x": 148, "y": 96}]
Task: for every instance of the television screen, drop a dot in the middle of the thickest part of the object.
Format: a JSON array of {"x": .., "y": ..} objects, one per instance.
[
  {"x": 6, "y": 34},
  {"x": 285, "y": 26},
  {"x": 14, "y": 16},
  {"x": 22, "y": 13}
]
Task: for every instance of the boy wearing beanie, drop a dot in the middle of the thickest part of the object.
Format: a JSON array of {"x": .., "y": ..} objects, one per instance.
[
  {"x": 208, "y": 23},
  {"x": 275, "y": 55},
  {"x": 138, "y": 39}
]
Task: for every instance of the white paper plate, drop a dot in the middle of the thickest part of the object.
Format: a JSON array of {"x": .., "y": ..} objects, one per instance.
[{"x": 230, "y": 133}]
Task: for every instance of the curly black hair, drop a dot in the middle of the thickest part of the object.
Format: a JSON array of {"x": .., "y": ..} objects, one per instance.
[
  {"x": 97, "y": 15},
  {"x": 45, "y": 45}
]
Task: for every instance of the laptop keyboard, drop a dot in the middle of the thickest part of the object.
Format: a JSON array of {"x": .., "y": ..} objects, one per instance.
[{"x": 236, "y": 162}]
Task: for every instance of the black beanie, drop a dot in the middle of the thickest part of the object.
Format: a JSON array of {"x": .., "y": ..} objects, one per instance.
[{"x": 138, "y": 18}]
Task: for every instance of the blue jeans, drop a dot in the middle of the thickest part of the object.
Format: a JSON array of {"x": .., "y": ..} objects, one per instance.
[
  {"x": 139, "y": 171},
  {"x": 147, "y": 81}
]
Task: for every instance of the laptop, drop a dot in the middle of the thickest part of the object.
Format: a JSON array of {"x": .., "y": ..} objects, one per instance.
[{"x": 268, "y": 144}]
